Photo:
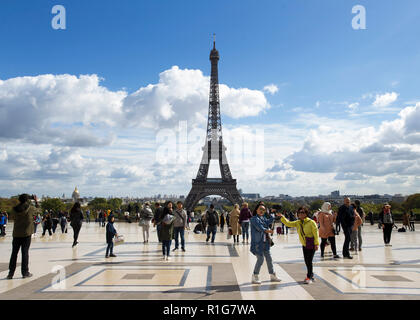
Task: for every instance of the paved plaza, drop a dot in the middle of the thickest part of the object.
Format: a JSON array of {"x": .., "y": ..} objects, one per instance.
[{"x": 207, "y": 271}]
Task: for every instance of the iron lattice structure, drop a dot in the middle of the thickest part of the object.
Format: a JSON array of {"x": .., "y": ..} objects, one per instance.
[{"x": 213, "y": 149}]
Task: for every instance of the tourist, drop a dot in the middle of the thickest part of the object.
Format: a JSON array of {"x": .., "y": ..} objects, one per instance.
[
  {"x": 412, "y": 219},
  {"x": 55, "y": 221},
  {"x": 157, "y": 219},
  {"x": 362, "y": 215},
  {"x": 244, "y": 221},
  {"x": 370, "y": 217},
  {"x": 76, "y": 218},
  {"x": 386, "y": 220},
  {"x": 63, "y": 221},
  {"x": 110, "y": 234},
  {"x": 146, "y": 215},
  {"x": 100, "y": 217},
  {"x": 261, "y": 243},
  {"x": 355, "y": 230},
  {"x": 46, "y": 223},
  {"x": 167, "y": 230},
  {"x": 345, "y": 218},
  {"x": 212, "y": 220},
  {"x": 222, "y": 220},
  {"x": 37, "y": 221},
  {"x": 2, "y": 224},
  {"x": 406, "y": 220},
  {"x": 308, "y": 236},
  {"x": 234, "y": 223},
  {"x": 88, "y": 216},
  {"x": 326, "y": 229},
  {"x": 180, "y": 224},
  {"x": 24, "y": 214}
]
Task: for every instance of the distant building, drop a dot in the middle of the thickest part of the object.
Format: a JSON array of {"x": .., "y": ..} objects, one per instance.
[
  {"x": 251, "y": 196},
  {"x": 335, "y": 194},
  {"x": 76, "y": 195}
]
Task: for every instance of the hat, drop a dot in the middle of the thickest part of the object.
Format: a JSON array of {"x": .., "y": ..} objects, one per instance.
[
  {"x": 147, "y": 203},
  {"x": 324, "y": 207}
]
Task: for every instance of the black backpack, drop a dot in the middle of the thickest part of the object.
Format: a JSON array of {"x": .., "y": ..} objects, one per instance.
[{"x": 212, "y": 218}]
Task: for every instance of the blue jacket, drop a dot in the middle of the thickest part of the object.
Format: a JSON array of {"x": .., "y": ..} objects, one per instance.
[
  {"x": 110, "y": 232},
  {"x": 2, "y": 220},
  {"x": 258, "y": 226}
]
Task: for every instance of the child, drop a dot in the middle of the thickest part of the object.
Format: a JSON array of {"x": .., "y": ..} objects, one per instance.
[{"x": 110, "y": 233}]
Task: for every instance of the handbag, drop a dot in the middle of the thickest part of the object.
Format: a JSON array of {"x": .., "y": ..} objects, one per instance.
[
  {"x": 142, "y": 222},
  {"x": 118, "y": 240},
  {"x": 309, "y": 241},
  {"x": 229, "y": 234}
]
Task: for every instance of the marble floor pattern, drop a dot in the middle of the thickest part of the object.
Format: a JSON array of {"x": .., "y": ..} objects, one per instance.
[{"x": 220, "y": 271}]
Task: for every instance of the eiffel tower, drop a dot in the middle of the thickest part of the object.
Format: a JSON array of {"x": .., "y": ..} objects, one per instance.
[{"x": 213, "y": 149}]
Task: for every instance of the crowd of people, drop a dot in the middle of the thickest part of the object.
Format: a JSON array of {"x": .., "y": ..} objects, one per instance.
[{"x": 315, "y": 231}]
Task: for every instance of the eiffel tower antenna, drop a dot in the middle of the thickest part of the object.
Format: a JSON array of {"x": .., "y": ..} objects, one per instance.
[{"x": 213, "y": 149}]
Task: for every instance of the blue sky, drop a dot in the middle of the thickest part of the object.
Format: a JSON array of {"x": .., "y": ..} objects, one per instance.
[{"x": 307, "y": 49}]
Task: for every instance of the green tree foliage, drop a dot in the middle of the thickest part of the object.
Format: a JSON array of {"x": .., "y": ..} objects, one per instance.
[
  {"x": 54, "y": 204},
  {"x": 315, "y": 205},
  {"x": 412, "y": 202},
  {"x": 8, "y": 204},
  {"x": 114, "y": 203},
  {"x": 99, "y": 204}
]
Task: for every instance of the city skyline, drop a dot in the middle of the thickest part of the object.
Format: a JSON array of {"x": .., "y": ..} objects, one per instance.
[{"x": 97, "y": 104}]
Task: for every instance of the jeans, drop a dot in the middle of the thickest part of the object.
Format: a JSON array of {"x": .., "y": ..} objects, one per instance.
[
  {"x": 76, "y": 230},
  {"x": 146, "y": 228},
  {"x": 87, "y": 218},
  {"x": 354, "y": 237},
  {"x": 245, "y": 230},
  {"x": 35, "y": 226},
  {"x": 179, "y": 231},
  {"x": 359, "y": 235},
  {"x": 213, "y": 230},
  {"x": 166, "y": 247},
  {"x": 332, "y": 242},
  {"x": 260, "y": 260},
  {"x": 63, "y": 226},
  {"x": 158, "y": 227},
  {"x": 387, "y": 232},
  {"x": 110, "y": 248},
  {"x": 17, "y": 243},
  {"x": 308, "y": 255},
  {"x": 347, "y": 238}
]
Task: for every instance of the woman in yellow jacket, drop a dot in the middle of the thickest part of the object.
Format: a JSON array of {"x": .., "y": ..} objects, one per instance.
[{"x": 308, "y": 236}]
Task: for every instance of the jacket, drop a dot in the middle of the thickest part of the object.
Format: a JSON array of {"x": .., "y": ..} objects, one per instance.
[
  {"x": 167, "y": 231},
  {"x": 110, "y": 232},
  {"x": 357, "y": 222},
  {"x": 245, "y": 215},
  {"x": 345, "y": 216},
  {"x": 180, "y": 218},
  {"x": 305, "y": 229},
  {"x": 381, "y": 217},
  {"x": 76, "y": 217},
  {"x": 234, "y": 222},
  {"x": 146, "y": 213},
  {"x": 259, "y": 240},
  {"x": 24, "y": 214},
  {"x": 158, "y": 215},
  {"x": 208, "y": 221},
  {"x": 326, "y": 224}
]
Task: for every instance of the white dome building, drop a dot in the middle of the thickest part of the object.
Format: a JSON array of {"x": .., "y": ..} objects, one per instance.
[{"x": 76, "y": 195}]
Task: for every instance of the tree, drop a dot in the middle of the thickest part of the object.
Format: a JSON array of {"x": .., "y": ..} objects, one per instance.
[
  {"x": 98, "y": 204},
  {"x": 54, "y": 204},
  {"x": 115, "y": 203},
  {"x": 412, "y": 202},
  {"x": 315, "y": 205}
]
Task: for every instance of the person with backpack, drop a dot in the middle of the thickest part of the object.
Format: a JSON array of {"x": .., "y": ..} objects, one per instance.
[
  {"x": 308, "y": 236},
  {"x": 244, "y": 217},
  {"x": 110, "y": 234},
  {"x": 146, "y": 215},
  {"x": 180, "y": 224},
  {"x": 234, "y": 223},
  {"x": 167, "y": 230},
  {"x": 24, "y": 214},
  {"x": 212, "y": 221},
  {"x": 46, "y": 223},
  {"x": 261, "y": 243},
  {"x": 386, "y": 220}
]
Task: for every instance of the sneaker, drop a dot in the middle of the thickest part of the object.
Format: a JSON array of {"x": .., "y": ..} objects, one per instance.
[
  {"x": 308, "y": 281},
  {"x": 10, "y": 276},
  {"x": 274, "y": 278},
  {"x": 27, "y": 275},
  {"x": 174, "y": 249},
  {"x": 336, "y": 256},
  {"x": 112, "y": 255},
  {"x": 255, "y": 279},
  {"x": 183, "y": 249}
]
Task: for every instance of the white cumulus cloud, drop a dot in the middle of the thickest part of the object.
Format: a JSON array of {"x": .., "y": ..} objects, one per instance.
[{"x": 386, "y": 99}]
